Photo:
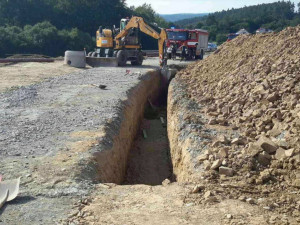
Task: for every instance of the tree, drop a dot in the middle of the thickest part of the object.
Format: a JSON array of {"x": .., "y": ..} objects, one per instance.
[
  {"x": 146, "y": 11},
  {"x": 199, "y": 25}
]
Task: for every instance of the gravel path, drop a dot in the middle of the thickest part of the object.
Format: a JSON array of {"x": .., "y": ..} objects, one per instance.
[
  {"x": 36, "y": 125},
  {"x": 39, "y": 122},
  {"x": 36, "y": 120}
]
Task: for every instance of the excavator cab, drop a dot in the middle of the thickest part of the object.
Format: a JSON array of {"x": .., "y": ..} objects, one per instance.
[{"x": 123, "y": 23}]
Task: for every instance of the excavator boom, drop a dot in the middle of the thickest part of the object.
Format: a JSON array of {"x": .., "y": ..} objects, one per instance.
[
  {"x": 125, "y": 46},
  {"x": 138, "y": 22}
]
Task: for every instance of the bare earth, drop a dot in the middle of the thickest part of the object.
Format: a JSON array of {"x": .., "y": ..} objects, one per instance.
[
  {"x": 48, "y": 197},
  {"x": 23, "y": 74}
]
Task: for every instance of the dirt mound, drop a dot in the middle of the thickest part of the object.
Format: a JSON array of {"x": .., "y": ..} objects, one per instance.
[{"x": 251, "y": 88}]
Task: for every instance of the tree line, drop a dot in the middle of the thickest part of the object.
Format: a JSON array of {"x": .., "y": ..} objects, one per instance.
[
  {"x": 50, "y": 27},
  {"x": 275, "y": 16}
]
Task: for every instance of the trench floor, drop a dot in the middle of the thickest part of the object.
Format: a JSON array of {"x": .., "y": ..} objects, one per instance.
[{"x": 149, "y": 160}]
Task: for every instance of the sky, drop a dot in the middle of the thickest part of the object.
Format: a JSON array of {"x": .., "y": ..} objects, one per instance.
[{"x": 197, "y": 6}]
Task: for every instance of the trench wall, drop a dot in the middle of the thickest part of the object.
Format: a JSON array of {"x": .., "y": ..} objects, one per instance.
[
  {"x": 107, "y": 161},
  {"x": 187, "y": 134}
]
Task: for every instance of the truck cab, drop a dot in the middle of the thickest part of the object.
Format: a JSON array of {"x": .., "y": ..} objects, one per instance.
[{"x": 187, "y": 44}]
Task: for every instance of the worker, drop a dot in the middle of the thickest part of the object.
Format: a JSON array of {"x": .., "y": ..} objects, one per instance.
[{"x": 183, "y": 52}]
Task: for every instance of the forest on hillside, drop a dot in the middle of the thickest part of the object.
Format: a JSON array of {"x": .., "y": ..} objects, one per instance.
[
  {"x": 50, "y": 27},
  {"x": 275, "y": 16}
]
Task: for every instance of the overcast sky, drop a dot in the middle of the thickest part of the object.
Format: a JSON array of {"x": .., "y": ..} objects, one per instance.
[{"x": 196, "y": 6}]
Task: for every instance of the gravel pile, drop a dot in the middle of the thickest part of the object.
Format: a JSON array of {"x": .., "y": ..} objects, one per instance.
[{"x": 250, "y": 88}]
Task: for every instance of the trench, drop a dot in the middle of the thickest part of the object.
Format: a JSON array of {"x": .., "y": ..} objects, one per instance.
[
  {"x": 149, "y": 160},
  {"x": 139, "y": 152}
]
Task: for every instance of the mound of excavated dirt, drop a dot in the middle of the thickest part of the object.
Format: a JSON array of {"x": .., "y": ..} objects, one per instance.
[{"x": 252, "y": 85}]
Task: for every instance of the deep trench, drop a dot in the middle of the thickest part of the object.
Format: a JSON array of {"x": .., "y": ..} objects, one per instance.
[
  {"x": 149, "y": 160},
  {"x": 142, "y": 155}
]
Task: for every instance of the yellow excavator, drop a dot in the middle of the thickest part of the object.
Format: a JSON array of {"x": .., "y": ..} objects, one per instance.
[{"x": 117, "y": 46}]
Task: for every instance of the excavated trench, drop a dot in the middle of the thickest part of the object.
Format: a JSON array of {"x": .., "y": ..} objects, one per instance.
[{"x": 139, "y": 152}]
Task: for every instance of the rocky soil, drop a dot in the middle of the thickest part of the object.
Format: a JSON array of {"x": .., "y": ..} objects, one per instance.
[{"x": 247, "y": 98}]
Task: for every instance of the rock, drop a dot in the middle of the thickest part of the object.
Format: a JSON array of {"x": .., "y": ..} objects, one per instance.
[
  {"x": 223, "y": 153},
  {"x": 280, "y": 154},
  {"x": 216, "y": 164},
  {"x": 283, "y": 144},
  {"x": 296, "y": 183},
  {"x": 253, "y": 149},
  {"x": 166, "y": 182},
  {"x": 238, "y": 141},
  {"x": 267, "y": 145},
  {"x": 289, "y": 153},
  {"x": 242, "y": 198},
  {"x": 226, "y": 171},
  {"x": 257, "y": 113},
  {"x": 223, "y": 139},
  {"x": 273, "y": 97},
  {"x": 229, "y": 216},
  {"x": 264, "y": 177},
  {"x": 250, "y": 201},
  {"x": 212, "y": 121},
  {"x": 264, "y": 158},
  {"x": 206, "y": 165},
  {"x": 211, "y": 199},
  {"x": 260, "y": 200},
  {"x": 296, "y": 157},
  {"x": 198, "y": 188},
  {"x": 216, "y": 144},
  {"x": 207, "y": 194},
  {"x": 202, "y": 158}
]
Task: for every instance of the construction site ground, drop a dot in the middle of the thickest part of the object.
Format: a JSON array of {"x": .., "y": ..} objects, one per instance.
[
  {"x": 50, "y": 127},
  {"x": 51, "y": 114}
]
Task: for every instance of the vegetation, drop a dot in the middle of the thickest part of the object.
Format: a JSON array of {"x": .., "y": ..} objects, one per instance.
[
  {"x": 52, "y": 26},
  {"x": 275, "y": 16}
]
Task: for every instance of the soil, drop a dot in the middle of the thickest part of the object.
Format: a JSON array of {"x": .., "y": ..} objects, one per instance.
[{"x": 46, "y": 155}]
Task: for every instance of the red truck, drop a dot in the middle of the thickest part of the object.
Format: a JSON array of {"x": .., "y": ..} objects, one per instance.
[{"x": 186, "y": 44}]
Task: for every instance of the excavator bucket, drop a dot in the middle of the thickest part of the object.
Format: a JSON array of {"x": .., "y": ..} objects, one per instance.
[{"x": 102, "y": 61}]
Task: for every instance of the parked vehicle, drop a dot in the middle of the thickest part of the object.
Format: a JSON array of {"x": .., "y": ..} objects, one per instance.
[
  {"x": 211, "y": 47},
  {"x": 242, "y": 31},
  {"x": 263, "y": 31},
  {"x": 234, "y": 35},
  {"x": 231, "y": 36},
  {"x": 186, "y": 44}
]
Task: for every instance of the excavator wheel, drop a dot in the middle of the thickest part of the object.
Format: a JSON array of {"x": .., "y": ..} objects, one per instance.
[
  {"x": 139, "y": 60},
  {"x": 122, "y": 58}
]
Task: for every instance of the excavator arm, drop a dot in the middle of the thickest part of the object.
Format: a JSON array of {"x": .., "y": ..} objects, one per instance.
[{"x": 138, "y": 22}]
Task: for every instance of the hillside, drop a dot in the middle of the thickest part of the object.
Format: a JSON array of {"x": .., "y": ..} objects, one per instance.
[
  {"x": 275, "y": 16},
  {"x": 181, "y": 16},
  {"x": 52, "y": 27}
]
